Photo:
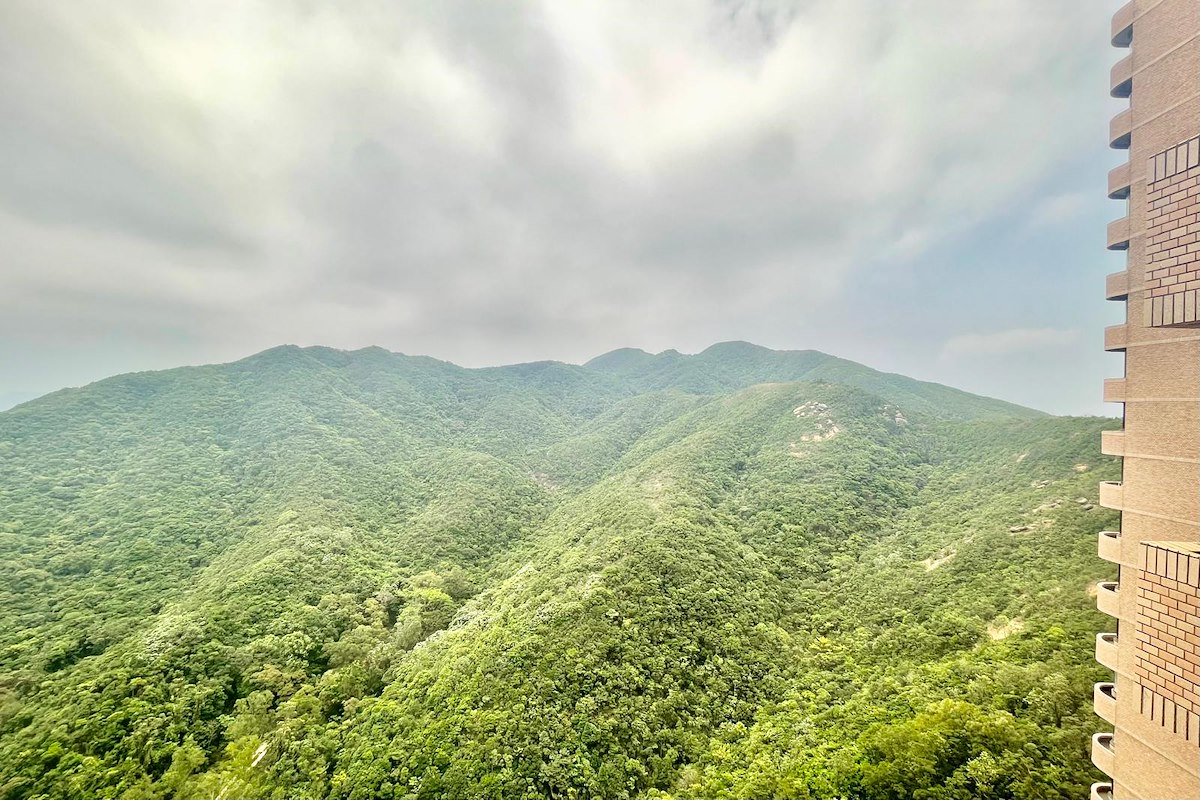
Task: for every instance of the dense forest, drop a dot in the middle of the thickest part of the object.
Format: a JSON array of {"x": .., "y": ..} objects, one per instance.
[{"x": 740, "y": 574}]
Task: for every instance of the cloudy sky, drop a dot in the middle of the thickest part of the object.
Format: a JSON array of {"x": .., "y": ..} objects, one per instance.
[{"x": 914, "y": 184}]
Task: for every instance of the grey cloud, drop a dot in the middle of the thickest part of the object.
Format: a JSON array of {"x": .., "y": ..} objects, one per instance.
[
  {"x": 77, "y": 148},
  {"x": 498, "y": 180}
]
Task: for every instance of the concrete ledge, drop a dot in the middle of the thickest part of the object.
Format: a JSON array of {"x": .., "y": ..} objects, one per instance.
[
  {"x": 1112, "y": 443},
  {"x": 1116, "y": 286},
  {"x": 1108, "y": 599},
  {"x": 1120, "y": 130},
  {"x": 1111, "y": 493},
  {"x": 1120, "y": 78},
  {"x": 1104, "y": 702},
  {"x": 1115, "y": 338},
  {"x": 1109, "y": 546},
  {"x": 1114, "y": 390},
  {"x": 1122, "y": 26},
  {"x": 1107, "y": 654},
  {"x": 1118, "y": 234},
  {"x": 1119, "y": 182},
  {"x": 1102, "y": 752}
]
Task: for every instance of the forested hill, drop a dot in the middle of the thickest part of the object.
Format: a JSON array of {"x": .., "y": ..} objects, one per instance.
[
  {"x": 741, "y": 574},
  {"x": 735, "y": 365}
]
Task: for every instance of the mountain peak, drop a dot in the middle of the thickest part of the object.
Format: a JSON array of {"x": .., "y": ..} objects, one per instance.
[
  {"x": 621, "y": 357},
  {"x": 735, "y": 347}
]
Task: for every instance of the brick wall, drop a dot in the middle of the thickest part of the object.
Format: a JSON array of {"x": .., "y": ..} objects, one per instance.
[
  {"x": 1173, "y": 237},
  {"x": 1168, "y": 636}
]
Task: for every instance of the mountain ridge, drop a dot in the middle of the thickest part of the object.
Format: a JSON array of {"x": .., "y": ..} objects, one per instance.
[
  {"x": 723, "y": 366},
  {"x": 315, "y": 573}
]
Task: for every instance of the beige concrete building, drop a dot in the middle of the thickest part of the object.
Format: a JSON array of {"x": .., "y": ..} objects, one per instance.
[{"x": 1151, "y": 750}]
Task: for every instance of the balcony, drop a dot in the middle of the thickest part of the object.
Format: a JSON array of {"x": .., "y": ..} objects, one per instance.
[
  {"x": 1107, "y": 654},
  {"x": 1111, "y": 495},
  {"x": 1122, "y": 26},
  {"x": 1102, "y": 791},
  {"x": 1116, "y": 286},
  {"x": 1102, "y": 752},
  {"x": 1109, "y": 547},
  {"x": 1121, "y": 77},
  {"x": 1114, "y": 390},
  {"x": 1115, "y": 338},
  {"x": 1104, "y": 702},
  {"x": 1120, "y": 130},
  {"x": 1108, "y": 598},
  {"x": 1112, "y": 443},
  {"x": 1118, "y": 234},
  {"x": 1119, "y": 182}
]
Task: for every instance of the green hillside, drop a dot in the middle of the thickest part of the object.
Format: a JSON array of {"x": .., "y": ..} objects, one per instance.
[
  {"x": 736, "y": 365},
  {"x": 739, "y": 574}
]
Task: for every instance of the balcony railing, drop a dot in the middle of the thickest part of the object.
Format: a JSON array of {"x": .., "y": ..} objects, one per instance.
[
  {"x": 1104, "y": 702},
  {"x": 1111, "y": 495},
  {"x": 1119, "y": 182},
  {"x": 1122, "y": 26},
  {"x": 1112, "y": 443},
  {"x": 1115, "y": 338},
  {"x": 1107, "y": 654},
  {"x": 1108, "y": 598},
  {"x": 1114, "y": 390},
  {"x": 1121, "y": 77},
  {"x": 1102, "y": 752},
  {"x": 1120, "y": 130},
  {"x": 1102, "y": 791},
  {"x": 1109, "y": 547},
  {"x": 1118, "y": 234},
  {"x": 1116, "y": 286}
]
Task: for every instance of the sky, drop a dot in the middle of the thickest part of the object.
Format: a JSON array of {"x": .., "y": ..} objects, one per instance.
[{"x": 918, "y": 185}]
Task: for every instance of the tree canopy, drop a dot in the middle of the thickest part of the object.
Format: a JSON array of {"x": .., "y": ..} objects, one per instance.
[{"x": 743, "y": 574}]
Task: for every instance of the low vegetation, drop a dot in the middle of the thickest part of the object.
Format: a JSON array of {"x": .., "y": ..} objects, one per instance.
[{"x": 359, "y": 575}]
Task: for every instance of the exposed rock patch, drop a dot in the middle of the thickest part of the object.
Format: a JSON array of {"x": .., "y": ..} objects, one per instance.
[
  {"x": 818, "y": 413},
  {"x": 933, "y": 563},
  {"x": 997, "y": 630}
]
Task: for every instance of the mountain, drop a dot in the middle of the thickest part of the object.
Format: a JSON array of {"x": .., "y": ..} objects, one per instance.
[
  {"x": 736, "y": 365},
  {"x": 743, "y": 573}
]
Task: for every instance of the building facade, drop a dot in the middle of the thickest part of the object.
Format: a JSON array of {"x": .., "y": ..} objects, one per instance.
[{"x": 1151, "y": 750}]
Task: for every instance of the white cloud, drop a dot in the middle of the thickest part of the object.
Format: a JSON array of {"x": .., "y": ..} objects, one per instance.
[
  {"x": 1007, "y": 343},
  {"x": 489, "y": 182}
]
